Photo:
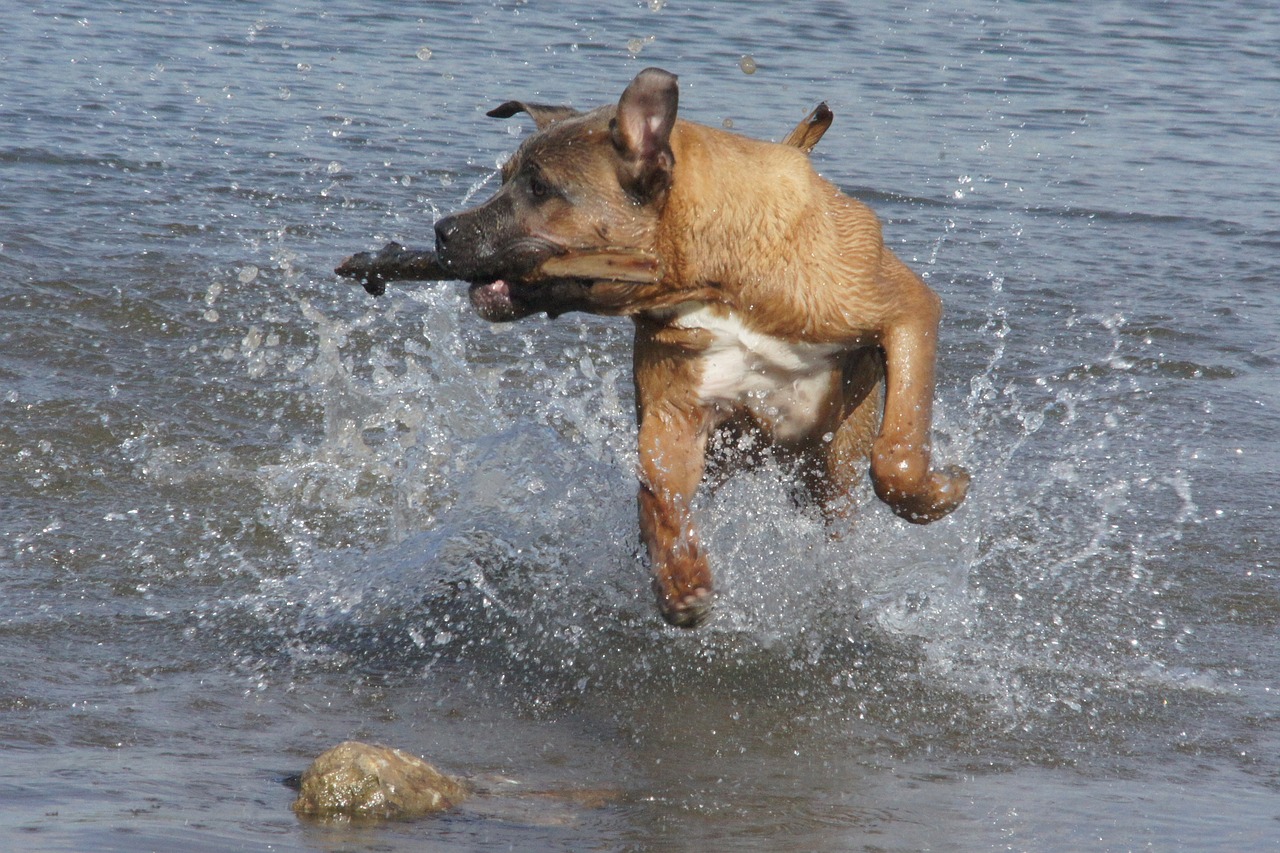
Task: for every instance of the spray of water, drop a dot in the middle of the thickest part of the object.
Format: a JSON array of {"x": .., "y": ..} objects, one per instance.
[{"x": 466, "y": 499}]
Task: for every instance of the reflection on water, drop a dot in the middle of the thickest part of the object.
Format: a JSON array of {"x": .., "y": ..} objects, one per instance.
[{"x": 249, "y": 512}]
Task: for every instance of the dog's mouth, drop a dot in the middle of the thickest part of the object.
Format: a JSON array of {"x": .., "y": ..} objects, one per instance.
[
  {"x": 564, "y": 281},
  {"x": 506, "y": 299},
  {"x": 504, "y": 285},
  {"x": 493, "y": 300}
]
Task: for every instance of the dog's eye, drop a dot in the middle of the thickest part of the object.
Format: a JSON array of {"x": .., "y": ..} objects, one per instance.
[{"x": 538, "y": 186}]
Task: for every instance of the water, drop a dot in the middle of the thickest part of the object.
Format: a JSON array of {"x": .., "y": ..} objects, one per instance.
[{"x": 249, "y": 512}]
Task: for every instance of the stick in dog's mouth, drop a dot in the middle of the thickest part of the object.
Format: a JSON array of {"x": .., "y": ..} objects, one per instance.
[{"x": 393, "y": 262}]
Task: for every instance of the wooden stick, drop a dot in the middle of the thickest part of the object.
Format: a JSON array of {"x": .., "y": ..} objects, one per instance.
[{"x": 392, "y": 262}]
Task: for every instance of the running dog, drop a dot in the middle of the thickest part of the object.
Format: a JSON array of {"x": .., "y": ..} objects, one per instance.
[{"x": 764, "y": 299}]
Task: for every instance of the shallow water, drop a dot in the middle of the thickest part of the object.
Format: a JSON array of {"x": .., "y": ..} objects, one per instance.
[{"x": 249, "y": 512}]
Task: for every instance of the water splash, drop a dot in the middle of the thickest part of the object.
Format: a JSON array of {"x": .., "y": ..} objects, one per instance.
[{"x": 467, "y": 500}]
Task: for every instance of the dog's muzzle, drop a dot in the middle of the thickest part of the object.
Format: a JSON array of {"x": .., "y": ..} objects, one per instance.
[
  {"x": 500, "y": 267},
  {"x": 447, "y": 240}
]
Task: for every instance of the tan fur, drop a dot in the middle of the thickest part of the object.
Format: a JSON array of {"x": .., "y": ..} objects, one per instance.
[{"x": 765, "y": 278}]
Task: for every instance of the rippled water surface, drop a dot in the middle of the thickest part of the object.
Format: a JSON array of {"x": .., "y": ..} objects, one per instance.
[{"x": 248, "y": 512}]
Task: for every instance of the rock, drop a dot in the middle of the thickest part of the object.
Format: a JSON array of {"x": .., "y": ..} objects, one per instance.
[{"x": 356, "y": 779}]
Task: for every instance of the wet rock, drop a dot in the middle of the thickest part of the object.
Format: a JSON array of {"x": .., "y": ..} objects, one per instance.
[{"x": 364, "y": 780}]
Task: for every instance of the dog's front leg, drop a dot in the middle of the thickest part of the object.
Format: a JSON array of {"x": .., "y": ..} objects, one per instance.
[
  {"x": 674, "y": 428},
  {"x": 672, "y": 459},
  {"x": 900, "y": 464}
]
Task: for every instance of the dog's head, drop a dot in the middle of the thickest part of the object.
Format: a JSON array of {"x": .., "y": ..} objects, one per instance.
[{"x": 578, "y": 208}]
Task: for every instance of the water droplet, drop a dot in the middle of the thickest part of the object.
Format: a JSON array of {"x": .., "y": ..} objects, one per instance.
[
  {"x": 424, "y": 53},
  {"x": 248, "y": 273},
  {"x": 747, "y": 63},
  {"x": 634, "y": 46}
]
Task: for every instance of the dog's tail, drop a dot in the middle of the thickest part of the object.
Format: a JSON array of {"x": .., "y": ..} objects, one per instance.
[{"x": 807, "y": 133}]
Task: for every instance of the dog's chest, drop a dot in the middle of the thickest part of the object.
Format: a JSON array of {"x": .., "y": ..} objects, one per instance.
[{"x": 786, "y": 385}]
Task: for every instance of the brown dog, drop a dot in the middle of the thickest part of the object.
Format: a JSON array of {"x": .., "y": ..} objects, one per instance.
[{"x": 765, "y": 302}]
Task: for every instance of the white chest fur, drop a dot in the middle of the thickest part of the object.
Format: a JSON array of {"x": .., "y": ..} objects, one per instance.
[{"x": 785, "y": 384}]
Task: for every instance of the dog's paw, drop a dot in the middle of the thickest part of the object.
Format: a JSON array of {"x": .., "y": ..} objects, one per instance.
[
  {"x": 688, "y": 611},
  {"x": 945, "y": 490},
  {"x": 904, "y": 480}
]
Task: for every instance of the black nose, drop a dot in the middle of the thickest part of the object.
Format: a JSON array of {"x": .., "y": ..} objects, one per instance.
[{"x": 445, "y": 230}]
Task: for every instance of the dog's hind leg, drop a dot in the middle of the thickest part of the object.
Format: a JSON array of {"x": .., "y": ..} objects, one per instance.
[{"x": 844, "y": 460}]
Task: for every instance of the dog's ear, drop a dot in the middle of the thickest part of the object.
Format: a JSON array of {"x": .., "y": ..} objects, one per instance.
[
  {"x": 543, "y": 115},
  {"x": 642, "y": 132}
]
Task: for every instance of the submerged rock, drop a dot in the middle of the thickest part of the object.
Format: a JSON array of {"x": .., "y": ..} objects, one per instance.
[{"x": 365, "y": 780}]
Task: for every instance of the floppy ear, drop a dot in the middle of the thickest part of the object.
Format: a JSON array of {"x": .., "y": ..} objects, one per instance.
[
  {"x": 642, "y": 132},
  {"x": 543, "y": 115}
]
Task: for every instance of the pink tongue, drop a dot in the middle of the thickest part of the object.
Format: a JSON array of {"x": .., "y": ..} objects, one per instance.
[{"x": 492, "y": 300}]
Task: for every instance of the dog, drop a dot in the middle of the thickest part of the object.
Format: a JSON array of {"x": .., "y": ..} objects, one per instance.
[{"x": 765, "y": 303}]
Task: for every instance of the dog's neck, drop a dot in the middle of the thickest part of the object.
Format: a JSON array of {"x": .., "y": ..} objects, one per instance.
[
  {"x": 717, "y": 220},
  {"x": 744, "y": 220}
]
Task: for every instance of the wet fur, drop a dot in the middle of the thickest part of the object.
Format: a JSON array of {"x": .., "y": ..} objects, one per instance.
[{"x": 774, "y": 307}]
